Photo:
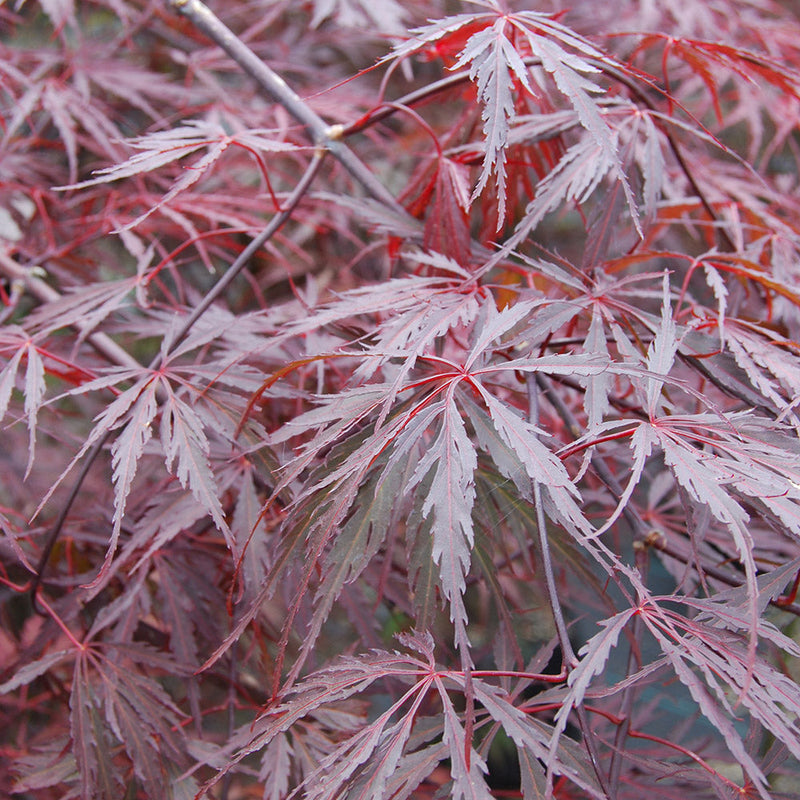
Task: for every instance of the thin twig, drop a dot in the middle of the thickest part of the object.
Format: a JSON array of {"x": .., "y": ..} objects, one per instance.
[
  {"x": 568, "y": 654},
  {"x": 569, "y": 659},
  {"x": 58, "y": 525},
  {"x": 227, "y": 781},
  {"x": 629, "y": 692},
  {"x": 427, "y": 92}
]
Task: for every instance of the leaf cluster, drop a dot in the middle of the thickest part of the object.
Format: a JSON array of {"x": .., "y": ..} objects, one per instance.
[{"x": 399, "y": 399}]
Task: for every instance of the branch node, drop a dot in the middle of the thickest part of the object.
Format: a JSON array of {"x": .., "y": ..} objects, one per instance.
[
  {"x": 335, "y": 132},
  {"x": 655, "y": 538}
]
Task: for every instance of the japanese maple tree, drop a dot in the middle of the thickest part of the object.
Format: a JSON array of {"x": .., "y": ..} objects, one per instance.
[{"x": 399, "y": 400}]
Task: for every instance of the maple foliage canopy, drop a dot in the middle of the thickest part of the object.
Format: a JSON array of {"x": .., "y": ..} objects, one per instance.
[{"x": 399, "y": 398}]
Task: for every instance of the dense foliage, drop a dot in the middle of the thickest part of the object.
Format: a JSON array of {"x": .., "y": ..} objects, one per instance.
[{"x": 399, "y": 398}]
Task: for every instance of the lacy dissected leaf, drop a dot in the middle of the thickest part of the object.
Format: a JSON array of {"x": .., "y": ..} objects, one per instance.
[
  {"x": 715, "y": 666},
  {"x": 717, "y": 284},
  {"x": 183, "y": 442},
  {"x": 452, "y": 461},
  {"x": 119, "y": 613},
  {"x": 439, "y": 31},
  {"x": 448, "y": 463},
  {"x": 567, "y": 70},
  {"x": 594, "y": 656},
  {"x": 705, "y": 355},
  {"x": 249, "y": 532},
  {"x": 509, "y": 465},
  {"x": 165, "y": 147},
  {"x": 334, "y": 416},
  {"x": 714, "y": 61},
  {"x": 718, "y": 613},
  {"x": 112, "y": 417},
  {"x": 275, "y": 770},
  {"x": 447, "y": 224},
  {"x": 494, "y": 66},
  {"x": 91, "y": 743},
  {"x": 15, "y": 340},
  {"x": 144, "y": 720},
  {"x": 492, "y": 325},
  {"x": 66, "y": 108},
  {"x": 415, "y": 767},
  {"x": 445, "y": 470},
  {"x": 23, "y": 346},
  {"x": 185, "y": 445},
  {"x": 410, "y": 335},
  {"x": 597, "y": 386},
  {"x": 423, "y": 576},
  {"x": 705, "y": 478},
  {"x": 166, "y": 517},
  {"x": 534, "y": 128},
  {"x": 377, "y": 745},
  {"x": 545, "y": 37},
  {"x": 34, "y": 394},
  {"x": 33, "y": 669},
  {"x": 406, "y": 334},
  {"x": 540, "y": 463},
  {"x": 466, "y": 766},
  {"x": 87, "y": 306},
  {"x": 647, "y": 153},
  {"x": 318, "y": 510},
  {"x": 741, "y": 465},
  {"x": 49, "y": 766},
  {"x": 144, "y": 89},
  {"x": 417, "y": 309},
  {"x": 661, "y": 353},
  {"x": 140, "y": 406},
  {"x": 112, "y": 703},
  {"x": 574, "y": 179},
  {"x": 385, "y": 16},
  {"x": 347, "y": 678},
  {"x": 533, "y": 737},
  {"x": 773, "y": 369},
  {"x": 364, "y": 757},
  {"x": 523, "y": 439},
  {"x": 389, "y": 762},
  {"x": 362, "y": 535},
  {"x": 374, "y": 507},
  {"x": 727, "y": 605}
]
